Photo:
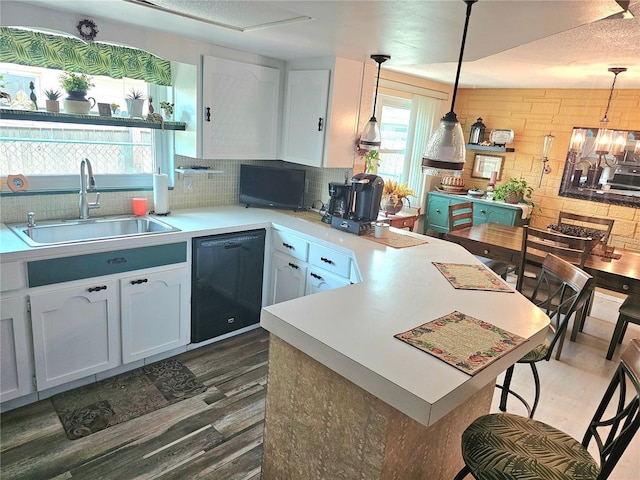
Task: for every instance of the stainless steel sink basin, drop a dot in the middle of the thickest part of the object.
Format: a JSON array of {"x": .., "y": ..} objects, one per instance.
[{"x": 73, "y": 231}]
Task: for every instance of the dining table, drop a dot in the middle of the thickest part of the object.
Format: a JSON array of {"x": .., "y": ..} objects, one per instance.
[{"x": 618, "y": 272}]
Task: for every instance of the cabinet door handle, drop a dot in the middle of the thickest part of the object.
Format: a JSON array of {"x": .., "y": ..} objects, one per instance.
[
  {"x": 117, "y": 260},
  {"x": 286, "y": 245},
  {"x": 96, "y": 289},
  {"x": 483, "y": 211},
  {"x": 316, "y": 276},
  {"x": 320, "y": 124},
  {"x": 438, "y": 210},
  {"x": 293, "y": 265},
  {"x": 208, "y": 114},
  {"x": 326, "y": 260},
  {"x": 139, "y": 281}
]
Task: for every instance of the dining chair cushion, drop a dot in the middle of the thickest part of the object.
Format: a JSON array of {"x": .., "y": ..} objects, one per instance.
[
  {"x": 503, "y": 445},
  {"x": 537, "y": 354}
]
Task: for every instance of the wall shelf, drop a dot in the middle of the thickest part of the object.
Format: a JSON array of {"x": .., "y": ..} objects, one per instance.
[
  {"x": 38, "y": 116},
  {"x": 488, "y": 148}
]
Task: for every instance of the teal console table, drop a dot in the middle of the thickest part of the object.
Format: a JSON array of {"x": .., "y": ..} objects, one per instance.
[{"x": 484, "y": 211}]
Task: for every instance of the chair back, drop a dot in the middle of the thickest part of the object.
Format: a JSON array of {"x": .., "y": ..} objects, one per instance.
[
  {"x": 460, "y": 215},
  {"x": 540, "y": 242},
  {"x": 603, "y": 225},
  {"x": 561, "y": 289},
  {"x": 617, "y": 418}
]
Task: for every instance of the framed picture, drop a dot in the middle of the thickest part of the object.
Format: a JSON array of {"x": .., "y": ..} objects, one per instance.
[
  {"x": 104, "y": 109},
  {"x": 484, "y": 165}
]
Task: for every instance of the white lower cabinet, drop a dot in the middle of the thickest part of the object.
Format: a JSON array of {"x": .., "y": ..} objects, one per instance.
[
  {"x": 16, "y": 364},
  {"x": 155, "y": 313},
  {"x": 300, "y": 267},
  {"x": 288, "y": 277},
  {"x": 319, "y": 280},
  {"x": 75, "y": 331}
]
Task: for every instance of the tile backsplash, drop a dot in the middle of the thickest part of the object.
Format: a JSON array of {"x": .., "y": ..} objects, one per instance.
[{"x": 190, "y": 191}]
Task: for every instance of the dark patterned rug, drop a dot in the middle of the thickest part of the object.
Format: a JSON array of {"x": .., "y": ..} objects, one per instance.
[{"x": 94, "y": 407}]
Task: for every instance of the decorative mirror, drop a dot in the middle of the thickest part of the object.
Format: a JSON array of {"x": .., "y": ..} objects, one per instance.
[{"x": 603, "y": 166}]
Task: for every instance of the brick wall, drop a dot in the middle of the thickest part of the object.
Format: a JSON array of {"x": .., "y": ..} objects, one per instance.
[{"x": 533, "y": 113}]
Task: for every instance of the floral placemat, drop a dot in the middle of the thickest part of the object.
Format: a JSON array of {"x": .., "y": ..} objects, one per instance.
[
  {"x": 472, "y": 277},
  {"x": 464, "y": 342}
]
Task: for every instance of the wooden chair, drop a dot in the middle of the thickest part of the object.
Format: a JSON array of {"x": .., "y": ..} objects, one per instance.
[
  {"x": 537, "y": 243},
  {"x": 629, "y": 312},
  {"x": 505, "y": 446},
  {"x": 461, "y": 216},
  {"x": 561, "y": 290},
  {"x": 591, "y": 223}
]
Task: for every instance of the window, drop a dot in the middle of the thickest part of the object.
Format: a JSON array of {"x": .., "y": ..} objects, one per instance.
[
  {"x": 395, "y": 115},
  {"x": 50, "y": 152}
]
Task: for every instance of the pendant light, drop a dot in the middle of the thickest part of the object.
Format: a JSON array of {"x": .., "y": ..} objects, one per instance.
[
  {"x": 370, "y": 138},
  {"x": 445, "y": 152},
  {"x": 605, "y": 136}
]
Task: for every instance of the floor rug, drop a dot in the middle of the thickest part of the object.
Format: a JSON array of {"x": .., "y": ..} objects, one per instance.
[
  {"x": 462, "y": 341},
  {"x": 91, "y": 408}
]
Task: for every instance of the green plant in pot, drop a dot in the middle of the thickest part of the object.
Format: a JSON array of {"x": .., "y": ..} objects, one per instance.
[
  {"x": 393, "y": 195},
  {"x": 514, "y": 191},
  {"x": 77, "y": 85},
  {"x": 52, "y": 103},
  {"x": 135, "y": 102}
]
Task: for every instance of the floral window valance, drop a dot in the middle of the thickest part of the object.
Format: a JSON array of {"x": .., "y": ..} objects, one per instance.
[{"x": 27, "y": 47}]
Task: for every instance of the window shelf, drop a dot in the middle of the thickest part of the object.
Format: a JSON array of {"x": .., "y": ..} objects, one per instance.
[
  {"x": 38, "y": 116},
  {"x": 488, "y": 148}
]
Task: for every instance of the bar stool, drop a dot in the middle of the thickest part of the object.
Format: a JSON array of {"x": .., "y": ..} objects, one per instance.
[{"x": 629, "y": 311}]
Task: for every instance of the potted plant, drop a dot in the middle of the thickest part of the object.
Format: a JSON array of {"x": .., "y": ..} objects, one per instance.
[
  {"x": 514, "y": 191},
  {"x": 393, "y": 195},
  {"x": 77, "y": 85},
  {"x": 371, "y": 160},
  {"x": 52, "y": 103},
  {"x": 135, "y": 102},
  {"x": 167, "y": 109}
]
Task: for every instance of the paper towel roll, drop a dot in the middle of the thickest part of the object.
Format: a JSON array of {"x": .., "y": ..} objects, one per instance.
[{"x": 160, "y": 193}]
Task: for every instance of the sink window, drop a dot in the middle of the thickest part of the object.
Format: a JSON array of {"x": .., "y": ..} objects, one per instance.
[{"x": 49, "y": 153}]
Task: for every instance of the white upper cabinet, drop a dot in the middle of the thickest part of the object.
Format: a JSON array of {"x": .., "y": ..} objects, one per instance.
[
  {"x": 239, "y": 113},
  {"x": 321, "y": 112},
  {"x": 240, "y": 107}
]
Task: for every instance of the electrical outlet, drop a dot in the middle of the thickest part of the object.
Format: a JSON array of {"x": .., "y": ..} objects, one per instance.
[{"x": 188, "y": 183}]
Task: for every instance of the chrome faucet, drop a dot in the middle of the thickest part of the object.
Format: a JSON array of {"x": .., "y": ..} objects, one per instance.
[{"x": 87, "y": 178}]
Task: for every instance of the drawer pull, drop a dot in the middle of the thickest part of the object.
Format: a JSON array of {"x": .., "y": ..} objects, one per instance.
[
  {"x": 96, "y": 289},
  {"x": 485, "y": 251},
  {"x": 316, "y": 276},
  {"x": 139, "y": 281},
  {"x": 286, "y": 245},
  {"x": 326, "y": 260},
  {"x": 293, "y": 265},
  {"x": 625, "y": 287},
  {"x": 117, "y": 260}
]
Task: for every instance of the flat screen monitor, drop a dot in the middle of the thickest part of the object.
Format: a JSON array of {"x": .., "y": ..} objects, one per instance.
[{"x": 272, "y": 187}]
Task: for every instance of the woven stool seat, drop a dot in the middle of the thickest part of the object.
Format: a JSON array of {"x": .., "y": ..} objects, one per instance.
[{"x": 505, "y": 446}]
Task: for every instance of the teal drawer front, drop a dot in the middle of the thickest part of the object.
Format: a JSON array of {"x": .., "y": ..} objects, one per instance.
[{"x": 66, "y": 269}]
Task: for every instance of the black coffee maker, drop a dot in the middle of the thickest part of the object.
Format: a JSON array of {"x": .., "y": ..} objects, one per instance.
[
  {"x": 367, "y": 188},
  {"x": 365, "y": 195},
  {"x": 340, "y": 201}
]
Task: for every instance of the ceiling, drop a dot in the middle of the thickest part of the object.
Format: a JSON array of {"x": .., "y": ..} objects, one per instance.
[{"x": 510, "y": 43}]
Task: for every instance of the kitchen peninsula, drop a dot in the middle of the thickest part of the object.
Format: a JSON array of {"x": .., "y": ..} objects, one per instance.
[{"x": 345, "y": 398}]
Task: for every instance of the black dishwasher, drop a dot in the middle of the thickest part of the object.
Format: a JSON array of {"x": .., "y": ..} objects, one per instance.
[{"x": 226, "y": 290}]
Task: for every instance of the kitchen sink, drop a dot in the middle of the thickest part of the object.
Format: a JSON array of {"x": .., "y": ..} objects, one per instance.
[{"x": 74, "y": 231}]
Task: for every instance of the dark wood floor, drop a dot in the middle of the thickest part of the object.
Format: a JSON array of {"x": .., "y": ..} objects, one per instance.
[
  {"x": 215, "y": 435},
  {"x": 218, "y": 434}
]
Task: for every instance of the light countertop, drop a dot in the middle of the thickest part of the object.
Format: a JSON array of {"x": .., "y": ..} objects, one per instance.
[{"x": 351, "y": 329}]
